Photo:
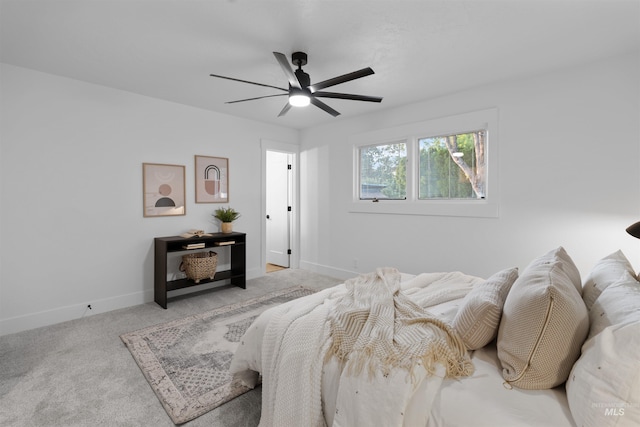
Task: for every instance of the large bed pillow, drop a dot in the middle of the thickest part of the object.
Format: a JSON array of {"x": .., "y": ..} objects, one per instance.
[
  {"x": 621, "y": 304},
  {"x": 603, "y": 389},
  {"x": 544, "y": 323},
  {"x": 479, "y": 315},
  {"x": 608, "y": 270},
  {"x": 566, "y": 264}
]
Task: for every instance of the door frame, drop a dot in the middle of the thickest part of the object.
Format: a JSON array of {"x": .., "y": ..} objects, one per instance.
[{"x": 294, "y": 224}]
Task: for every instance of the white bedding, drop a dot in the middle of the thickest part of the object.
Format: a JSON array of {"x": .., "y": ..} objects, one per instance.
[
  {"x": 482, "y": 400},
  {"x": 433, "y": 400},
  {"x": 394, "y": 391}
]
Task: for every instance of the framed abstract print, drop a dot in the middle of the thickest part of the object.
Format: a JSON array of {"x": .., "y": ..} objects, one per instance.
[
  {"x": 212, "y": 179},
  {"x": 163, "y": 189}
]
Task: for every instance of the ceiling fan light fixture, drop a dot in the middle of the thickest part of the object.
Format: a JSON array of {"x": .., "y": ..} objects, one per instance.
[
  {"x": 299, "y": 100},
  {"x": 301, "y": 92}
]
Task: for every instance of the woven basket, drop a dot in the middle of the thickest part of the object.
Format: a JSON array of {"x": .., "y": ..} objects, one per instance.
[{"x": 201, "y": 265}]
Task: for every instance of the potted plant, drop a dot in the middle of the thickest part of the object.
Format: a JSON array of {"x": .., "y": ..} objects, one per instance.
[{"x": 226, "y": 216}]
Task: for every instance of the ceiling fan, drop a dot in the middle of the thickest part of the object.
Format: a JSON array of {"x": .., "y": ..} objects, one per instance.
[{"x": 301, "y": 92}]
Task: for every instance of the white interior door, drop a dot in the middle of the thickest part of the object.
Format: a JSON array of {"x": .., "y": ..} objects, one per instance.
[{"x": 278, "y": 201}]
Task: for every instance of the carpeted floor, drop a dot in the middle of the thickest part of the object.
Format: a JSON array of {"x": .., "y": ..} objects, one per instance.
[{"x": 79, "y": 373}]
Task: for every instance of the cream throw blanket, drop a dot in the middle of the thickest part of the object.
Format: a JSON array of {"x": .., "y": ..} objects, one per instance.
[
  {"x": 295, "y": 340},
  {"x": 375, "y": 327},
  {"x": 371, "y": 327}
]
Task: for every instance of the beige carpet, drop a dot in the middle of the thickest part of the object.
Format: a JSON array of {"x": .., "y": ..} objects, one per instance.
[
  {"x": 186, "y": 361},
  {"x": 79, "y": 373}
]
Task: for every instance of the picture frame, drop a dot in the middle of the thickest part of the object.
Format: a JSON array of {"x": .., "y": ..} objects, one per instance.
[
  {"x": 164, "y": 191},
  {"x": 212, "y": 179}
]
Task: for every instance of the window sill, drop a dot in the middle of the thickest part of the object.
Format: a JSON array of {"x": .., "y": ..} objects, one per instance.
[{"x": 460, "y": 208}]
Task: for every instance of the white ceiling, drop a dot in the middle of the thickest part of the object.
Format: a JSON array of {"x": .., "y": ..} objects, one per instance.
[{"x": 418, "y": 49}]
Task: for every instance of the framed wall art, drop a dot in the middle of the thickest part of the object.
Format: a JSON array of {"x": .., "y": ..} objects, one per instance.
[
  {"x": 212, "y": 179},
  {"x": 163, "y": 188}
]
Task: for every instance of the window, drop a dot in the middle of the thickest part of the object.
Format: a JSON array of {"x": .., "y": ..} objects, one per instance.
[
  {"x": 444, "y": 166},
  {"x": 452, "y": 166},
  {"x": 383, "y": 171}
]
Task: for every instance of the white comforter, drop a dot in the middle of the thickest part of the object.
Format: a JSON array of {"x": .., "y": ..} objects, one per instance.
[{"x": 288, "y": 344}]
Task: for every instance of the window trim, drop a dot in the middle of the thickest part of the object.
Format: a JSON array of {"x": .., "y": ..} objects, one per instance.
[{"x": 410, "y": 133}]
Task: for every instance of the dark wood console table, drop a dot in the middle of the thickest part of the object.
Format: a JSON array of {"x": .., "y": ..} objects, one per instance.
[{"x": 163, "y": 245}]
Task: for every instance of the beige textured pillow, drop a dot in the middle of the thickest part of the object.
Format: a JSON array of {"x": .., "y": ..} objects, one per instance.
[
  {"x": 478, "y": 318},
  {"x": 608, "y": 270},
  {"x": 544, "y": 323},
  {"x": 566, "y": 264}
]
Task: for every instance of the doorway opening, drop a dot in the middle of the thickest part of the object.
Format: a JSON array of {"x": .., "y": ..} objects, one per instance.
[{"x": 279, "y": 206}]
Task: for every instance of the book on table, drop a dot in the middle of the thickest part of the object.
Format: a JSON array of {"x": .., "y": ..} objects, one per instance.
[{"x": 194, "y": 246}]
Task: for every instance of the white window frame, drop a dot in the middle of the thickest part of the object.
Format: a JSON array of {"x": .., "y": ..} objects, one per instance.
[
  {"x": 410, "y": 133},
  {"x": 357, "y": 153}
]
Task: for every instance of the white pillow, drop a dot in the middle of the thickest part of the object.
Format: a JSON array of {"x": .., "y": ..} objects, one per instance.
[
  {"x": 603, "y": 389},
  {"x": 620, "y": 304},
  {"x": 478, "y": 319},
  {"x": 608, "y": 270}
]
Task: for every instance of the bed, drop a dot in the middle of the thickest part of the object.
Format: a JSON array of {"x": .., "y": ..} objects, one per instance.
[{"x": 537, "y": 347}]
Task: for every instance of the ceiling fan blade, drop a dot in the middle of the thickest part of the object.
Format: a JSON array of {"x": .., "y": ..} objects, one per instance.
[
  {"x": 348, "y": 96},
  {"x": 257, "y": 97},
  {"x": 288, "y": 71},
  {"x": 324, "y": 106},
  {"x": 286, "y": 108},
  {"x": 341, "y": 79},
  {"x": 247, "y": 81}
]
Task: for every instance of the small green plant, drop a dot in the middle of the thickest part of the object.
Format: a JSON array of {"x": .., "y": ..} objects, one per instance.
[{"x": 226, "y": 214}]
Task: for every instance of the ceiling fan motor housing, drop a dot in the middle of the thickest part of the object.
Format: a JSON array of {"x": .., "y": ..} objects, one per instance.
[{"x": 299, "y": 58}]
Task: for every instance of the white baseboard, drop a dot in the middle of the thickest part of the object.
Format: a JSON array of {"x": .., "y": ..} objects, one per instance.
[
  {"x": 71, "y": 312},
  {"x": 327, "y": 270},
  {"x": 77, "y": 311},
  {"x": 252, "y": 273}
]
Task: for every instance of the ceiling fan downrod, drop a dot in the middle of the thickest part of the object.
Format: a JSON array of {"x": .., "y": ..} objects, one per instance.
[{"x": 300, "y": 59}]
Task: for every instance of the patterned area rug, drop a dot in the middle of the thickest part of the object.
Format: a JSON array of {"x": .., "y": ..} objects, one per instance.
[{"x": 186, "y": 361}]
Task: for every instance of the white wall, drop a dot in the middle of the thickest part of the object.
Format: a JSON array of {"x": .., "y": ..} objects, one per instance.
[
  {"x": 71, "y": 224},
  {"x": 569, "y": 161}
]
